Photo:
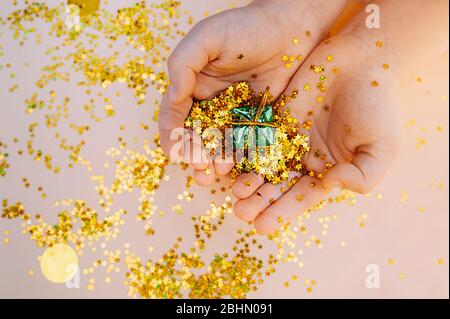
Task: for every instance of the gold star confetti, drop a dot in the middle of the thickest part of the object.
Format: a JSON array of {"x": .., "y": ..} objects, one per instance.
[{"x": 216, "y": 115}]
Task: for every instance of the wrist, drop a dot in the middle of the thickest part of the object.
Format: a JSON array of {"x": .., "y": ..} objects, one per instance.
[{"x": 313, "y": 15}]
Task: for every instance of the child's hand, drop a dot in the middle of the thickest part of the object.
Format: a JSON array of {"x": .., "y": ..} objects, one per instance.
[
  {"x": 244, "y": 44},
  {"x": 354, "y": 127}
]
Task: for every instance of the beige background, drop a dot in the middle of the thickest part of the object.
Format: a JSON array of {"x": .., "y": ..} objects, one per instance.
[{"x": 394, "y": 229}]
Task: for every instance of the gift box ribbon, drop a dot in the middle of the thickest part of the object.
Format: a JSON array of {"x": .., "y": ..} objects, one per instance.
[{"x": 253, "y": 126}]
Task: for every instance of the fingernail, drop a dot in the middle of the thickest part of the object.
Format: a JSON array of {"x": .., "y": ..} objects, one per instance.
[{"x": 173, "y": 94}]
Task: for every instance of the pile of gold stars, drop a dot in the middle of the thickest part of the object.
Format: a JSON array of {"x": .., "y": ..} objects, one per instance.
[{"x": 277, "y": 160}]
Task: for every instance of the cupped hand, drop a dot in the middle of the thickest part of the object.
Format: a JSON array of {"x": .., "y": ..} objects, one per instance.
[
  {"x": 244, "y": 44},
  {"x": 354, "y": 133}
]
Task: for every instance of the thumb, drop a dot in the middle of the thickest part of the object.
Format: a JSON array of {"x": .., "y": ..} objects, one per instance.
[
  {"x": 361, "y": 175},
  {"x": 189, "y": 58}
]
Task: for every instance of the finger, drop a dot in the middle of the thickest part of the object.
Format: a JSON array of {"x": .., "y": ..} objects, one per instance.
[
  {"x": 190, "y": 56},
  {"x": 188, "y": 59},
  {"x": 361, "y": 175},
  {"x": 298, "y": 199},
  {"x": 200, "y": 158},
  {"x": 204, "y": 177},
  {"x": 207, "y": 86},
  {"x": 171, "y": 123},
  {"x": 223, "y": 165},
  {"x": 246, "y": 184},
  {"x": 248, "y": 209}
]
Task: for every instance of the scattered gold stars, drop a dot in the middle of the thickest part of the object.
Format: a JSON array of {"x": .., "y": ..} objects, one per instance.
[
  {"x": 310, "y": 283},
  {"x": 386, "y": 66},
  {"x": 378, "y": 44},
  {"x": 374, "y": 83},
  {"x": 440, "y": 261},
  {"x": 295, "y": 41},
  {"x": 410, "y": 123},
  {"x": 86, "y": 7},
  {"x": 404, "y": 196},
  {"x": 317, "y": 68},
  {"x": 330, "y": 58},
  {"x": 420, "y": 142},
  {"x": 362, "y": 219},
  {"x": 288, "y": 60},
  {"x": 391, "y": 261},
  {"x": 109, "y": 110}
]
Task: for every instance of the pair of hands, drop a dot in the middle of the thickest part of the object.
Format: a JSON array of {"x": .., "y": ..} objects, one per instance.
[{"x": 354, "y": 122}]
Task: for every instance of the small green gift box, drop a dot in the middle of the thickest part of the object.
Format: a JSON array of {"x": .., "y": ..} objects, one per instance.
[{"x": 252, "y": 130}]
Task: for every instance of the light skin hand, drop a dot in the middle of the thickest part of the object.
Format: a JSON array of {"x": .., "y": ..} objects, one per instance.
[
  {"x": 354, "y": 127},
  {"x": 359, "y": 132},
  {"x": 244, "y": 44}
]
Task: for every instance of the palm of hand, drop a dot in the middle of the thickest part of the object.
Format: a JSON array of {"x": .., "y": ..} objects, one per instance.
[
  {"x": 243, "y": 52},
  {"x": 353, "y": 139}
]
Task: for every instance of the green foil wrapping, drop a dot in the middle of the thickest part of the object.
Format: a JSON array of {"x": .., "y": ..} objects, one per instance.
[{"x": 252, "y": 135}]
